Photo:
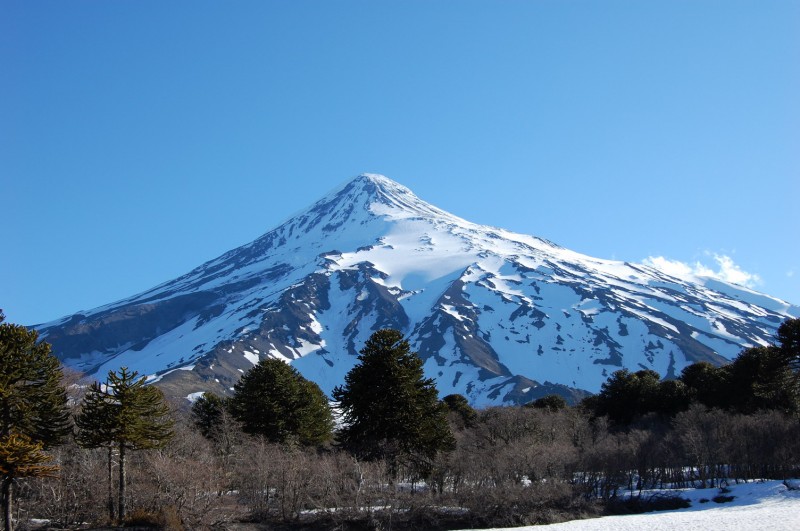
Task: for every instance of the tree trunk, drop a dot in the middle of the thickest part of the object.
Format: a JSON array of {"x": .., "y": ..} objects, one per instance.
[
  {"x": 7, "y": 504},
  {"x": 110, "y": 484},
  {"x": 121, "y": 508}
]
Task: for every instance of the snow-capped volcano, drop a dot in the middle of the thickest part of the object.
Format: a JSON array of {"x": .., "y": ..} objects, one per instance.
[{"x": 499, "y": 317}]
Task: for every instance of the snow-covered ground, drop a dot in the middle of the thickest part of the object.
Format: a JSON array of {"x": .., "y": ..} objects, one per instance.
[{"x": 756, "y": 506}]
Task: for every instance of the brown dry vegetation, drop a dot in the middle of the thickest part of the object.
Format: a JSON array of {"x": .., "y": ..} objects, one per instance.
[{"x": 511, "y": 466}]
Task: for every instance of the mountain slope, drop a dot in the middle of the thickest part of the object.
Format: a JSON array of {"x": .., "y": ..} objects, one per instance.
[{"x": 499, "y": 317}]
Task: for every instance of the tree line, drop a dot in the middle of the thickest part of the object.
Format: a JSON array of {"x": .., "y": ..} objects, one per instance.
[
  {"x": 390, "y": 453},
  {"x": 759, "y": 378}
]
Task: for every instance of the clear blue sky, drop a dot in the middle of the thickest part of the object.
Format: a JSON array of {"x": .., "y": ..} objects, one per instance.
[{"x": 139, "y": 139}]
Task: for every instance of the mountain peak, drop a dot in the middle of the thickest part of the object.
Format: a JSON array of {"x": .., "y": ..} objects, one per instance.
[
  {"x": 378, "y": 184},
  {"x": 375, "y": 178},
  {"x": 379, "y": 187},
  {"x": 379, "y": 195}
]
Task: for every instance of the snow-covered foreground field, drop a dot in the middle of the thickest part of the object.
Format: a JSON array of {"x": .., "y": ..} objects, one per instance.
[{"x": 756, "y": 506}]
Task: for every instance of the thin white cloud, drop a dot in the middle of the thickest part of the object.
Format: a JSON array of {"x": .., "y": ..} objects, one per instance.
[{"x": 726, "y": 270}]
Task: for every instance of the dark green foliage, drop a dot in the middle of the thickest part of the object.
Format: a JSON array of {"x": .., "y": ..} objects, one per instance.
[
  {"x": 627, "y": 396},
  {"x": 124, "y": 412},
  {"x": 33, "y": 407},
  {"x": 315, "y": 424},
  {"x": 705, "y": 383},
  {"x": 671, "y": 398},
  {"x": 459, "y": 406},
  {"x": 390, "y": 409},
  {"x": 549, "y": 402},
  {"x": 273, "y": 400},
  {"x": 97, "y": 421},
  {"x": 760, "y": 378},
  {"x": 207, "y": 414},
  {"x": 32, "y": 400}
]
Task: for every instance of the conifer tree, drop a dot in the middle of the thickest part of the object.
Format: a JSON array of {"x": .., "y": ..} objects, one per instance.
[
  {"x": 760, "y": 378},
  {"x": 33, "y": 408},
  {"x": 458, "y": 404},
  {"x": 207, "y": 412},
  {"x": 626, "y": 396},
  {"x": 390, "y": 409},
  {"x": 212, "y": 417},
  {"x": 21, "y": 457},
  {"x": 97, "y": 428},
  {"x": 789, "y": 339},
  {"x": 549, "y": 402},
  {"x": 124, "y": 414},
  {"x": 706, "y": 384},
  {"x": 274, "y": 400}
]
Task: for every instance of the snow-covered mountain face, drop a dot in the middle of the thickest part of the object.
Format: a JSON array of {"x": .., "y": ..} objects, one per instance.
[{"x": 498, "y": 317}]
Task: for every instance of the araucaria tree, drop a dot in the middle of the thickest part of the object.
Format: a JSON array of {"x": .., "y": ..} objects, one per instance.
[
  {"x": 207, "y": 414},
  {"x": 390, "y": 410},
  {"x": 273, "y": 400},
  {"x": 123, "y": 414},
  {"x": 33, "y": 408}
]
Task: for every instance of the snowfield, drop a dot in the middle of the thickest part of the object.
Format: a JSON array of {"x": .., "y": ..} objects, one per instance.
[{"x": 767, "y": 506}]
